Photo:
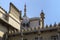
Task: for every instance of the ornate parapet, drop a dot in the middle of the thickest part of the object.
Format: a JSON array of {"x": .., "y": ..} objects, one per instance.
[
  {"x": 52, "y": 26},
  {"x": 46, "y": 28},
  {"x": 31, "y": 29}
]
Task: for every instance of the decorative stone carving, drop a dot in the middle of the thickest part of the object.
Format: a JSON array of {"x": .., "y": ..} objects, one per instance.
[{"x": 55, "y": 24}]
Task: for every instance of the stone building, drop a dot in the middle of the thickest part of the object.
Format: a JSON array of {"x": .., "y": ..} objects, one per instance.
[{"x": 14, "y": 26}]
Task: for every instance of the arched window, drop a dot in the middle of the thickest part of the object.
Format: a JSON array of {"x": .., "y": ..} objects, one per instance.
[
  {"x": 23, "y": 24},
  {"x": 28, "y": 24}
]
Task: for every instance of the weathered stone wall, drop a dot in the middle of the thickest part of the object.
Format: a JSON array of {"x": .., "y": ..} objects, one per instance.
[
  {"x": 14, "y": 15},
  {"x": 45, "y": 36},
  {"x": 3, "y": 30},
  {"x": 34, "y": 23}
]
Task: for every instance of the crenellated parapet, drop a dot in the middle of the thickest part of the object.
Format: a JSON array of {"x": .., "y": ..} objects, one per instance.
[
  {"x": 31, "y": 29},
  {"x": 54, "y": 25},
  {"x": 34, "y": 29}
]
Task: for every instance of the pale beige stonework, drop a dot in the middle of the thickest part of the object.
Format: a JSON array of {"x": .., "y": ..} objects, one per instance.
[
  {"x": 14, "y": 12},
  {"x": 45, "y": 35},
  {"x": 14, "y": 23},
  {"x": 34, "y": 23},
  {"x": 13, "y": 27},
  {"x": 14, "y": 17},
  {"x": 3, "y": 30},
  {"x": 2, "y": 12}
]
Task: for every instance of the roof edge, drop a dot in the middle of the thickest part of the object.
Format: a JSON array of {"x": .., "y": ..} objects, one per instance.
[
  {"x": 3, "y": 9},
  {"x": 11, "y": 4}
]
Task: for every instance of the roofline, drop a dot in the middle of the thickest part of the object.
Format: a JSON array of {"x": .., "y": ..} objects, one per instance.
[
  {"x": 3, "y": 21},
  {"x": 6, "y": 24},
  {"x": 41, "y": 30},
  {"x": 11, "y": 4},
  {"x": 3, "y": 9},
  {"x": 34, "y": 19}
]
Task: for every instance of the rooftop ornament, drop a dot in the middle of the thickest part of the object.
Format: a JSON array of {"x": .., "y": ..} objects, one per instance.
[
  {"x": 58, "y": 24},
  {"x": 55, "y": 24},
  {"x": 46, "y": 26},
  {"x": 50, "y": 25}
]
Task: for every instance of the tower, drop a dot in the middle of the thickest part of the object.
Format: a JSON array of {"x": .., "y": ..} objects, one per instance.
[
  {"x": 42, "y": 19},
  {"x": 25, "y": 21}
]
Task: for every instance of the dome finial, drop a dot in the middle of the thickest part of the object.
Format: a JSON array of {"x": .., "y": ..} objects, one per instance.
[
  {"x": 41, "y": 10},
  {"x": 25, "y": 9}
]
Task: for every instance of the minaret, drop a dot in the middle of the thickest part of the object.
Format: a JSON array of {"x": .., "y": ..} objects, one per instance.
[
  {"x": 42, "y": 19},
  {"x": 24, "y": 10}
]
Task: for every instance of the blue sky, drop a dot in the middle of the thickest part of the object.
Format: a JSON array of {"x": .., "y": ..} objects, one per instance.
[{"x": 51, "y": 8}]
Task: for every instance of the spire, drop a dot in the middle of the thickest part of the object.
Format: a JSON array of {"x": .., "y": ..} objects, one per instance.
[{"x": 25, "y": 10}]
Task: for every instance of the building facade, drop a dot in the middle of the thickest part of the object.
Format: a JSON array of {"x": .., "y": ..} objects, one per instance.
[{"x": 14, "y": 26}]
